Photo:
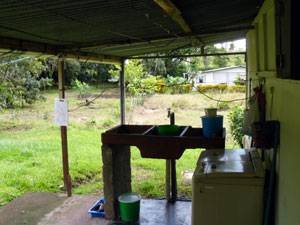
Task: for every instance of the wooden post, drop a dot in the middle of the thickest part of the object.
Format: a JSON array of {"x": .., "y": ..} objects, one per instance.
[
  {"x": 63, "y": 129},
  {"x": 122, "y": 93}
]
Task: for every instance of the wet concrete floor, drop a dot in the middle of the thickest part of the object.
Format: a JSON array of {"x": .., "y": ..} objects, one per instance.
[{"x": 39, "y": 208}]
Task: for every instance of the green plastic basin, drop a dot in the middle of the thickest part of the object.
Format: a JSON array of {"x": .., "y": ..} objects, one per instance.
[
  {"x": 130, "y": 206},
  {"x": 168, "y": 130}
]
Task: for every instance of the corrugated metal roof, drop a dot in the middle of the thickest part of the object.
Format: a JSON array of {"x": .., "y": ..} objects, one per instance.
[
  {"x": 119, "y": 27},
  {"x": 223, "y": 68}
]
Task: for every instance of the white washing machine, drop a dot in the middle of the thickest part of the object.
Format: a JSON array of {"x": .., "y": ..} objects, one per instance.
[{"x": 228, "y": 187}]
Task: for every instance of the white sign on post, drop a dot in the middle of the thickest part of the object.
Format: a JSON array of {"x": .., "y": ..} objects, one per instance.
[{"x": 61, "y": 112}]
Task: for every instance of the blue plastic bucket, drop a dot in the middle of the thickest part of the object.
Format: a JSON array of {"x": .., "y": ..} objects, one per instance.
[{"x": 212, "y": 126}]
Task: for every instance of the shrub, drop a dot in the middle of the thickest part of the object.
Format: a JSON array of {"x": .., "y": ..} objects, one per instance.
[
  {"x": 221, "y": 88},
  {"x": 238, "y": 81},
  {"x": 108, "y": 122},
  {"x": 236, "y": 122},
  {"x": 238, "y": 88},
  {"x": 224, "y": 105},
  {"x": 82, "y": 86},
  {"x": 185, "y": 88},
  {"x": 213, "y": 88},
  {"x": 162, "y": 87}
]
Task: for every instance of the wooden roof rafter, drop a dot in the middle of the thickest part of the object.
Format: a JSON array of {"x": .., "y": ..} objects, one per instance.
[
  {"x": 176, "y": 15},
  {"x": 48, "y": 50},
  {"x": 156, "y": 38}
]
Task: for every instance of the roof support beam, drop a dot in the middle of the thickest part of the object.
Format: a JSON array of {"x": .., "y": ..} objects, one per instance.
[
  {"x": 63, "y": 129},
  {"x": 31, "y": 48},
  {"x": 91, "y": 57},
  {"x": 186, "y": 56},
  {"x": 157, "y": 38},
  {"x": 122, "y": 93},
  {"x": 175, "y": 14}
]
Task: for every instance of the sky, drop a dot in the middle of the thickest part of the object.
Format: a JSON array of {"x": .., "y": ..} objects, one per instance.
[{"x": 238, "y": 44}]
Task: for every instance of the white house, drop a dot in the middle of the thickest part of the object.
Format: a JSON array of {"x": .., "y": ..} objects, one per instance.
[{"x": 225, "y": 75}]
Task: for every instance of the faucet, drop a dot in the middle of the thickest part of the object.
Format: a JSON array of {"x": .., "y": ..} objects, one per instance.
[{"x": 171, "y": 115}]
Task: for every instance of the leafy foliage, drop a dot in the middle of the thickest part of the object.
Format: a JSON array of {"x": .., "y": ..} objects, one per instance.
[
  {"x": 46, "y": 82},
  {"x": 236, "y": 122},
  {"x": 155, "y": 66},
  {"x": 213, "y": 88},
  {"x": 82, "y": 86},
  {"x": 19, "y": 81},
  {"x": 147, "y": 85},
  {"x": 238, "y": 81},
  {"x": 91, "y": 73},
  {"x": 238, "y": 88},
  {"x": 177, "y": 66},
  {"x": 221, "y": 88},
  {"x": 223, "y": 106}
]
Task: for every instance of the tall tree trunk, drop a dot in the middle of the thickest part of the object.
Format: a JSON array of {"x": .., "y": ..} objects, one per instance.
[{"x": 205, "y": 62}]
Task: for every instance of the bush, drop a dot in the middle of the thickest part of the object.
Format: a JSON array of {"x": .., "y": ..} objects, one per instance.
[
  {"x": 162, "y": 87},
  {"x": 238, "y": 88},
  {"x": 236, "y": 122},
  {"x": 224, "y": 105},
  {"x": 221, "y": 88},
  {"x": 19, "y": 81},
  {"x": 108, "y": 122},
  {"x": 185, "y": 88},
  {"x": 238, "y": 81},
  {"x": 213, "y": 88},
  {"x": 82, "y": 86}
]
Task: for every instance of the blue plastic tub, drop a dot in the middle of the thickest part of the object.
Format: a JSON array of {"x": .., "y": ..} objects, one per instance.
[
  {"x": 212, "y": 127},
  {"x": 94, "y": 210}
]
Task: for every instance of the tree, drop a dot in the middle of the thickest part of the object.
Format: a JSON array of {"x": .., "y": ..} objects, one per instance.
[
  {"x": 134, "y": 70},
  {"x": 19, "y": 81},
  {"x": 155, "y": 66}
]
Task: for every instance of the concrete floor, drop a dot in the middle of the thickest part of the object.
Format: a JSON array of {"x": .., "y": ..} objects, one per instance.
[{"x": 37, "y": 208}]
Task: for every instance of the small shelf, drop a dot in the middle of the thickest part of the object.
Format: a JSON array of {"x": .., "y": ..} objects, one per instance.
[{"x": 151, "y": 145}]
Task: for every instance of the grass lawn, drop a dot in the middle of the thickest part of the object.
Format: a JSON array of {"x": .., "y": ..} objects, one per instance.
[{"x": 30, "y": 144}]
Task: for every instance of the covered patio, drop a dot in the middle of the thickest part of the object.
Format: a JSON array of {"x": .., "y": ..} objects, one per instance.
[
  {"x": 113, "y": 31},
  {"x": 57, "y": 209}
]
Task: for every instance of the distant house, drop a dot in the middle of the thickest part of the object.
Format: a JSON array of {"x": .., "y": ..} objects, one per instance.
[{"x": 225, "y": 75}]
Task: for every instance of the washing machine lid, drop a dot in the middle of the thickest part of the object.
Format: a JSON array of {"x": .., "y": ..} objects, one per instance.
[
  {"x": 228, "y": 169},
  {"x": 213, "y": 155},
  {"x": 230, "y": 163}
]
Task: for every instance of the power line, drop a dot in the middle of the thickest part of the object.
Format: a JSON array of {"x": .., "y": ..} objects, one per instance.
[
  {"x": 14, "y": 61},
  {"x": 89, "y": 102}
]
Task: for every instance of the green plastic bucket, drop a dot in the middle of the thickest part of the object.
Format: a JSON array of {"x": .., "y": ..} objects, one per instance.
[
  {"x": 130, "y": 206},
  {"x": 168, "y": 130}
]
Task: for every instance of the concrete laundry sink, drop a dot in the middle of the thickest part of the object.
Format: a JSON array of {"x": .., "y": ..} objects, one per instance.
[{"x": 151, "y": 145}]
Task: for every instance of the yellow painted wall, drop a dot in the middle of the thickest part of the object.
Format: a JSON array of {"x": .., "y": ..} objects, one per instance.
[
  {"x": 286, "y": 109},
  {"x": 261, "y": 55}
]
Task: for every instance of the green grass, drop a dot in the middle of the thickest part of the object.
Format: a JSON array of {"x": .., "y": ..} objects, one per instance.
[
  {"x": 30, "y": 144},
  {"x": 31, "y": 160}
]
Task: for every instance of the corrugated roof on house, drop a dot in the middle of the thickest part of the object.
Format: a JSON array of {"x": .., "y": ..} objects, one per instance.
[{"x": 223, "y": 68}]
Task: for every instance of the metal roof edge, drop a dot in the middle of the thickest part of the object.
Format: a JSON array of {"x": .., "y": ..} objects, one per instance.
[{"x": 223, "y": 68}]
